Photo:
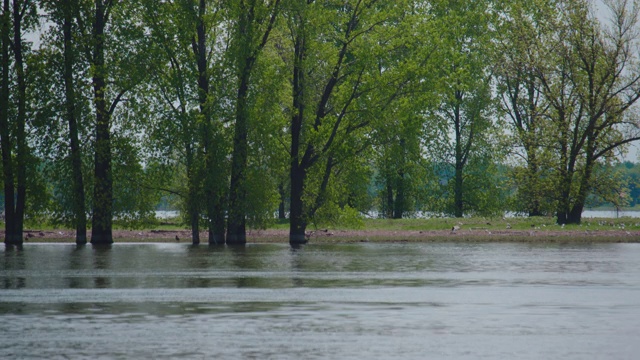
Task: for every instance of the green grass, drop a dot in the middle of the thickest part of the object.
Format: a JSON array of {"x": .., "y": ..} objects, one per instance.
[
  {"x": 474, "y": 223},
  {"x": 479, "y": 223}
]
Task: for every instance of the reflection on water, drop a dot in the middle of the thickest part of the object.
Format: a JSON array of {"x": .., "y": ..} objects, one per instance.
[{"x": 349, "y": 301}]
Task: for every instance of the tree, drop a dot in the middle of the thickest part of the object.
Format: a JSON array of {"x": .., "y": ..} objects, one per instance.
[
  {"x": 526, "y": 25},
  {"x": 591, "y": 87},
  {"x": 114, "y": 47},
  {"x": 403, "y": 136},
  {"x": 192, "y": 92},
  {"x": 250, "y": 39},
  {"x": 465, "y": 94},
  {"x": 334, "y": 75},
  {"x": 64, "y": 20},
  {"x": 16, "y": 18}
]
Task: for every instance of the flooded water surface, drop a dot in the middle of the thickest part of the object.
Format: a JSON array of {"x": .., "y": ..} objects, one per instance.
[{"x": 348, "y": 301}]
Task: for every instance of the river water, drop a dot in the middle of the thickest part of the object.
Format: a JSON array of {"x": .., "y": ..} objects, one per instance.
[{"x": 348, "y": 301}]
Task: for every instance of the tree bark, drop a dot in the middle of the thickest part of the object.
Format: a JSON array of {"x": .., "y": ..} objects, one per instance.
[
  {"x": 75, "y": 155},
  {"x": 388, "y": 211},
  {"x": 5, "y": 134},
  {"x": 458, "y": 204},
  {"x": 533, "y": 186},
  {"x": 215, "y": 209},
  {"x": 192, "y": 196},
  {"x": 247, "y": 56},
  {"x": 298, "y": 172},
  {"x": 282, "y": 214},
  {"x": 297, "y": 220},
  {"x": 236, "y": 225},
  {"x": 21, "y": 155},
  {"x": 399, "y": 204},
  {"x": 14, "y": 208},
  {"x": 101, "y": 224}
]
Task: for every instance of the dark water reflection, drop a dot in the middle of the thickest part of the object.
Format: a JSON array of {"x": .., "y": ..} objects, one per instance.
[{"x": 356, "y": 301}]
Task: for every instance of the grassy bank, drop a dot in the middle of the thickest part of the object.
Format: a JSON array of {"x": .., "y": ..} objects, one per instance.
[{"x": 542, "y": 229}]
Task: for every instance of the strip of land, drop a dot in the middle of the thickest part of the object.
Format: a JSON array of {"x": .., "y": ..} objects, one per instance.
[{"x": 350, "y": 236}]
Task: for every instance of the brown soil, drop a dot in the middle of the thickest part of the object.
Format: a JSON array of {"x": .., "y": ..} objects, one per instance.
[{"x": 335, "y": 236}]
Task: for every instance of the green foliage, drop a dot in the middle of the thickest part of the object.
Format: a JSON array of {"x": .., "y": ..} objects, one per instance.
[{"x": 447, "y": 107}]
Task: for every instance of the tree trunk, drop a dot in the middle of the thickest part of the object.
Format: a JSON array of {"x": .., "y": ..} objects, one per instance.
[
  {"x": 101, "y": 225},
  {"x": 5, "y": 139},
  {"x": 282, "y": 214},
  {"x": 213, "y": 194},
  {"x": 297, "y": 220},
  {"x": 297, "y": 169},
  {"x": 192, "y": 195},
  {"x": 21, "y": 155},
  {"x": 388, "y": 211},
  {"x": 399, "y": 204},
  {"x": 533, "y": 190},
  {"x": 564, "y": 201},
  {"x": 77, "y": 182},
  {"x": 236, "y": 225},
  {"x": 458, "y": 202},
  {"x": 248, "y": 21},
  {"x": 575, "y": 214},
  {"x": 566, "y": 172}
]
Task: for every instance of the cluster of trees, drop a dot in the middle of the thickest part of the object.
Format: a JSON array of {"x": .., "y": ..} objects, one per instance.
[{"x": 242, "y": 108}]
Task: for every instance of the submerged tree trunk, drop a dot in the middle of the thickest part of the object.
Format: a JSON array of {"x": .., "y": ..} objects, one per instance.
[
  {"x": 5, "y": 139},
  {"x": 192, "y": 196},
  {"x": 297, "y": 219},
  {"x": 250, "y": 17},
  {"x": 15, "y": 190},
  {"x": 213, "y": 194},
  {"x": 21, "y": 156},
  {"x": 101, "y": 224},
  {"x": 297, "y": 169},
  {"x": 75, "y": 155},
  {"x": 236, "y": 225}
]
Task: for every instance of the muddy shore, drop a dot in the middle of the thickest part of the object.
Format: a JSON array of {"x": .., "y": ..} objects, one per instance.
[{"x": 349, "y": 236}]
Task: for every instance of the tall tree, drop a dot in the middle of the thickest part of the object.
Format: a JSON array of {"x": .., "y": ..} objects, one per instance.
[
  {"x": 213, "y": 153},
  {"x": 404, "y": 131},
  {"x": 191, "y": 91},
  {"x": 591, "y": 86},
  {"x": 526, "y": 25},
  {"x": 72, "y": 120},
  {"x": 63, "y": 17},
  {"x": 466, "y": 100},
  {"x": 250, "y": 39},
  {"x": 112, "y": 41},
  {"x": 16, "y": 17},
  {"x": 334, "y": 44},
  {"x": 101, "y": 224}
]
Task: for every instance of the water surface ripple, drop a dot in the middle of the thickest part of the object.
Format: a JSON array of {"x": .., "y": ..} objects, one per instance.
[{"x": 347, "y": 301}]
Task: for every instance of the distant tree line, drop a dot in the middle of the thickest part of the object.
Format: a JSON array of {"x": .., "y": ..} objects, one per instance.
[{"x": 313, "y": 110}]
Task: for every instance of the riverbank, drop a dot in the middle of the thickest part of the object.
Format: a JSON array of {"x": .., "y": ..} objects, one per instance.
[
  {"x": 385, "y": 230},
  {"x": 350, "y": 236}
]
